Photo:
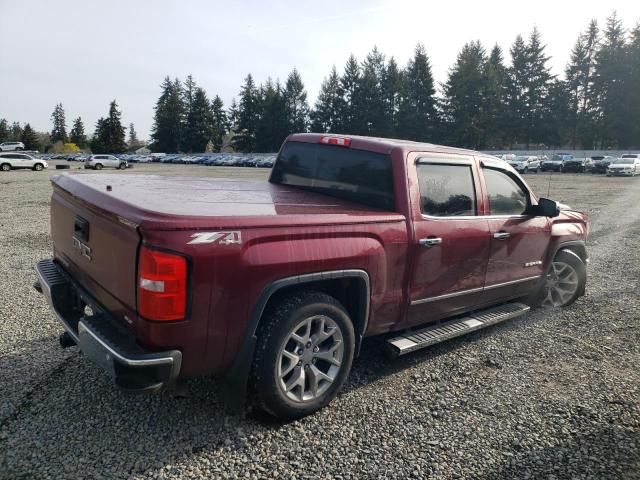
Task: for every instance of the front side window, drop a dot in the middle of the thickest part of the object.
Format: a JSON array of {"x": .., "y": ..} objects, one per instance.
[
  {"x": 446, "y": 190},
  {"x": 506, "y": 196}
]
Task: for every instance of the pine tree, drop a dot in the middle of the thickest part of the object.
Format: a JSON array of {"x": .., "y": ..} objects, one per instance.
[
  {"x": 15, "y": 132},
  {"x": 350, "y": 85},
  {"x": 29, "y": 138},
  {"x": 327, "y": 114},
  {"x": 111, "y": 132},
  {"x": 133, "y": 142},
  {"x": 417, "y": 115},
  {"x": 99, "y": 138},
  {"x": 538, "y": 84},
  {"x": 166, "y": 134},
  {"x": 244, "y": 139},
  {"x": 220, "y": 125},
  {"x": 233, "y": 114},
  {"x": 580, "y": 75},
  {"x": 296, "y": 106},
  {"x": 199, "y": 123},
  {"x": 391, "y": 94},
  {"x": 463, "y": 98},
  {"x": 610, "y": 84},
  {"x": 372, "y": 104},
  {"x": 4, "y": 130},
  {"x": 59, "y": 132},
  {"x": 273, "y": 126},
  {"x": 494, "y": 112},
  {"x": 77, "y": 134}
]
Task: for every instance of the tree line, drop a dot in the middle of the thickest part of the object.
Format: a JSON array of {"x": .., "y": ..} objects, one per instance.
[{"x": 486, "y": 102}]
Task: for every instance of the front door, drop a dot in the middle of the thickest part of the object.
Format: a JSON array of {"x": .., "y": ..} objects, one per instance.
[
  {"x": 519, "y": 241},
  {"x": 451, "y": 242}
]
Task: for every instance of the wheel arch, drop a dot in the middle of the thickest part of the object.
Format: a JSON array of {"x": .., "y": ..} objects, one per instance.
[{"x": 237, "y": 376}]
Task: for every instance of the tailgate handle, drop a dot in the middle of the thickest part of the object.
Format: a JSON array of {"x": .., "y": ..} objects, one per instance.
[{"x": 81, "y": 229}]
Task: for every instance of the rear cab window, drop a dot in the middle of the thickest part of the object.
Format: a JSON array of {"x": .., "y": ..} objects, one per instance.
[{"x": 354, "y": 175}]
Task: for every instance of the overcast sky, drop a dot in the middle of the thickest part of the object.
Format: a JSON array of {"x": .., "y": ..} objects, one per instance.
[{"x": 86, "y": 53}]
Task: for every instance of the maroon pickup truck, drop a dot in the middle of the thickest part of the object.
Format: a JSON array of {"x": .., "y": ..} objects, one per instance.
[{"x": 272, "y": 286}]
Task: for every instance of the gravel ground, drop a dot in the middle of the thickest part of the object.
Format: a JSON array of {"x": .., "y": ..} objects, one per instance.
[{"x": 554, "y": 394}]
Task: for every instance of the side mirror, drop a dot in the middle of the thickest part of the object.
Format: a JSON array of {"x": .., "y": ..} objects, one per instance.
[{"x": 546, "y": 208}]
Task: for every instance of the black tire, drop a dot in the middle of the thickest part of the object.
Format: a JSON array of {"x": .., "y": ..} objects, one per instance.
[
  {"x": 97, "y": 166},
  {"x": 122, "y": 166},
  {"x": 570, "y": 258},
  {"x": 526, "y": 170},
  {"x": 18, "y": 149},
  {"x": 38, "y": 167},
  {"x": 537, "y": 170},
  {"x": 5, "y": 167},
  {"x": 276, "y": 327}
]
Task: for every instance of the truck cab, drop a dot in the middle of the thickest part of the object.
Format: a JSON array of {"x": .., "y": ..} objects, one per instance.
[{"x": 274, "y": 285}]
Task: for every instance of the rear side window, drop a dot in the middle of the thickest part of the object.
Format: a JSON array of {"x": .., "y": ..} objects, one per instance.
[
  {"x": 506, "y": 196},
  {"x": 446, "y": 190},
  {"x": 354, "y": 175}
]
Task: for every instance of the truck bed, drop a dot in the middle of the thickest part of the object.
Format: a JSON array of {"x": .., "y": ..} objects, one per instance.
[{"x": 157, "y": 202}]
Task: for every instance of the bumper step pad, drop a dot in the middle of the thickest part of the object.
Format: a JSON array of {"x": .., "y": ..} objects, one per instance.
[{"x": 417, "y": 339}]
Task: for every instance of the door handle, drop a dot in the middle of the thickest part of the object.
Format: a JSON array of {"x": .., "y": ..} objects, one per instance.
[
  {"x": 430, "y": 241},
  {"x": 501, "y": 235}
]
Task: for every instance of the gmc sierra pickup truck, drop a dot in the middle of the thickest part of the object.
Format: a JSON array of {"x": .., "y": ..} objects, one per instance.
[{"x": 273, "y": 286}]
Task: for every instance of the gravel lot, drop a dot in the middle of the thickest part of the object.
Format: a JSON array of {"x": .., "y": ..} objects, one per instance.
[{"x": 555, "y": 394}]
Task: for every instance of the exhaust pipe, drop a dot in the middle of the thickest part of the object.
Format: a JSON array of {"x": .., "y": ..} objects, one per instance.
[{"x": 66, "y": 340}]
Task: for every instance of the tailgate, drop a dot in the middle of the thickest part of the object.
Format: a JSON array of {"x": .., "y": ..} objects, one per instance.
[{"x": 98, "y": 248}]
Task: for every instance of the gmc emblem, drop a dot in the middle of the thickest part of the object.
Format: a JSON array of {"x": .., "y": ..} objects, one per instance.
[{"x": 82, "y": 248}]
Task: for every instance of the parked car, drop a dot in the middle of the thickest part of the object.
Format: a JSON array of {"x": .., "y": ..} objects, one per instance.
[
  {"x": 555, "y": 163},
  {"x": 601, "y": 163},
  {"x": 98, "y": 162},
  {"x": 10, "y": 161},
  {"x": 579, "y": 165},
  {"x": 525, "y": 163},
  {"x": 278, "y": 282},
  {"x": 628, "y": 166},
  {"x": 11, "y": 146}
]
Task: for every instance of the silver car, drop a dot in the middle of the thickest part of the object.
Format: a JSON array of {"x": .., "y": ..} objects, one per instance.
[
  {"x": 525, "y": 163},
  {"x": 10, "y": 161},
  {"x": 98, "y": 162}
]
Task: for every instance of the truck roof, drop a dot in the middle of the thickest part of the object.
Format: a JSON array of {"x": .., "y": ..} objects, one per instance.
[{"x": 381, "y": 145}]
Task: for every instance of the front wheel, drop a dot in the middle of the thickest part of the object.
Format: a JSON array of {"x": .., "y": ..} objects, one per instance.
[
  {"x": 526, "y": 170},
  {"x": 37, "y": 167},
  {"x": 565, "y": 281},
  {"x": 98, "y": 166},
  {"x": 122, "y": 166},
  {"x": 303, "y": 356}
]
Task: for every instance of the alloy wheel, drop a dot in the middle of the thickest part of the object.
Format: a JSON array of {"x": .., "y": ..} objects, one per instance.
[
  {"x": 310, "y": 358},
  {"x": 562, "y": 282}
]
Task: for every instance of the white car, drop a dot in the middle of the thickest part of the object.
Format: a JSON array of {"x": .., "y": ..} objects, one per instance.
[
  {"x": 11, "y": 146},
  {"x": 628, "y": 166},
  {"x": 98, "y": 162},
  {"x": 525, "y": 163},
  {"x": 9, "y": 161}
]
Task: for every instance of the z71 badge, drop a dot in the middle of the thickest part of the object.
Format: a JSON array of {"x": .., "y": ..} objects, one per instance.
[{"x": 223, "y": 238}]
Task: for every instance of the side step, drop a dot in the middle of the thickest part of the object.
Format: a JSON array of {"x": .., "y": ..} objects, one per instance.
[{"x": 417, "y": 339}]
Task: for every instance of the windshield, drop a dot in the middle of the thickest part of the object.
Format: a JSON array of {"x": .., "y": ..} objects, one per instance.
[
  {"x": 556, "y": 158},
  {"x": 630, "y": 156},
  {"x": 354, "y": 175},
  {"x": 520, "y": 158},
  {"x": 624, "y": 160}
]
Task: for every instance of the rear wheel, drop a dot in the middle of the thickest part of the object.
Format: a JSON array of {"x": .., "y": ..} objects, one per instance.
[
  {"x": 526, "y": 170},
  {"x": 5, "y": 167},
  {"x": 303, "y": 356},
  {"x": 18, "y": 149}
]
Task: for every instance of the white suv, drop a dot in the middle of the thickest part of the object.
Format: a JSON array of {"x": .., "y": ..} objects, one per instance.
[
  {"x": 98, "y": 162},
  {"x": 10, "y": 161},
  {"x": 11, "y": 146}
]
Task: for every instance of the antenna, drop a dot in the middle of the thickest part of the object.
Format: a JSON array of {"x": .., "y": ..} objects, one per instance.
[{"x": 549, "y": 185}]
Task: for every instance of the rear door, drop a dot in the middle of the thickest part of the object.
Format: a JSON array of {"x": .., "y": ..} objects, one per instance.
[
  {"x": 519, "y": 241},
  {"x": 451, "y": 243}
]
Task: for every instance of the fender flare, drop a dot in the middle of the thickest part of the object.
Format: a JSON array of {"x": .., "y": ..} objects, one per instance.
[{"x": 236, "y": 378}]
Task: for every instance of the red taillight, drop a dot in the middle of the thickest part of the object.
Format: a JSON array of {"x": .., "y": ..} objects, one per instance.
[
  {"x": 162, "y": 285},
  {"x": 340, "y": 141}
]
